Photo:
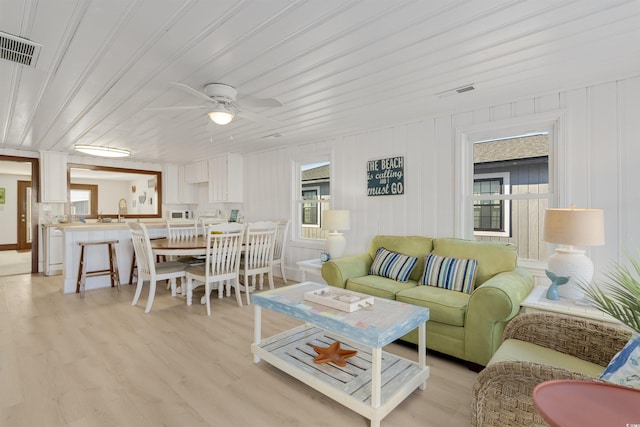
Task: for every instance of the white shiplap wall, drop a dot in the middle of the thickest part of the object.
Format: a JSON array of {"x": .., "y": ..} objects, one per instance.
[{"x": 598, "y": 154}]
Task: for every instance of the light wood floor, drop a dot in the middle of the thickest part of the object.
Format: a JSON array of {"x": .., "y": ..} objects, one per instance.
[{"x": 65, "y": 361}]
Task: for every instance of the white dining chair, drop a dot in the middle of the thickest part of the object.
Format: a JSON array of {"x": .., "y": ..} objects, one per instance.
[
  {"x": 206, "y": 221},
  {"x": 280, "y": 245},
  {"x": 224, "y": 248},
  {"x": 181, "y": 229},
  {"x": 148, "y": 268},
  {"x": 258, "y": 256}
]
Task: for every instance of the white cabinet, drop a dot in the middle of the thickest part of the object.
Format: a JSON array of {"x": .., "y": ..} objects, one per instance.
[
  {"x": 53, "y": 250},
  {"x": 53, "y": 176},
  {"x": 197, "y": 172},
  {"x": 171, "y": 184},
  {"x": 188, "y": 192},
  {"x": 175, "y": 187},
  {"x": 226, "y": 179}
]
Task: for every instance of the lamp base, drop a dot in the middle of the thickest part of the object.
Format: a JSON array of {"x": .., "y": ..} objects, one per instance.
[
  {"x": 336, "y": 244},
  {"x": 574, "y": 264}
]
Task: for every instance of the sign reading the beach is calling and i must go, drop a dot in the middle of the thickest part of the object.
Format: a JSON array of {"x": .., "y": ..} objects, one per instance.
[{"x": 385, "y": 177}]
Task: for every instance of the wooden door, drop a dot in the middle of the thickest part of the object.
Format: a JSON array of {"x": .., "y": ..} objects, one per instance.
[{"x": 24, "y": 215}]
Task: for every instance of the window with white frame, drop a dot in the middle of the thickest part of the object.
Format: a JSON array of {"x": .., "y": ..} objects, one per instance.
[
  {"x": 314, "y": 196},
  {"x": 509, "y": 187}
]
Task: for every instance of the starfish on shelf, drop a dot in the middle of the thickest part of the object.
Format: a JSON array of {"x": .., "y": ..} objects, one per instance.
[{"x": 333, "y": 354}]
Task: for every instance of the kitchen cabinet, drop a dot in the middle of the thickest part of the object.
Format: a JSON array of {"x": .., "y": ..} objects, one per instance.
[
  {"x": 53, "y": 240},
  {"x": 53, "y": 177},
  {"x": 197, "y": 172},
  {"x": 175, "y": 186},
  {"x": 226, "y": 179}
]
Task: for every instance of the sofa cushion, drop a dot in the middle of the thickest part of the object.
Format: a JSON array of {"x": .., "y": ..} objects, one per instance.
[
  {"x": 516, "y": 350},
  {"x": 624, "y": 368},
  {"x": 444, "y": 305},
  {"x": 493, "y": 258},
  {"x": 392, "y": 265},
  {"x": 416, "y": 246},
  {"x": 378, "y": 286},
  {"x": 449, "y": 273}
]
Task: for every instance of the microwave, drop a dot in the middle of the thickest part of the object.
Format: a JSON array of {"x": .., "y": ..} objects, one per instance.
[{"x": 180, "y": 214}]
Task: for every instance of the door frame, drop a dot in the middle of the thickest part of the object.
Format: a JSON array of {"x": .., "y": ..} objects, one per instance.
[{"x": 35, "y": 198}]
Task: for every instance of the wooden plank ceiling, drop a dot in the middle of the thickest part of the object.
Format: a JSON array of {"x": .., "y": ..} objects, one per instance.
[{"x": 338, "y": 66}]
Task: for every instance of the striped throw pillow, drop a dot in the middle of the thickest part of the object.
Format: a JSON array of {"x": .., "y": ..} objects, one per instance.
[
  {"x": 392, "y": 265},
  {"x": 450, "y": 273}
]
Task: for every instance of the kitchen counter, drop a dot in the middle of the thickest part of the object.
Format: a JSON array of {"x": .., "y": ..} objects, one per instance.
[{"x": 97, "y": 256}]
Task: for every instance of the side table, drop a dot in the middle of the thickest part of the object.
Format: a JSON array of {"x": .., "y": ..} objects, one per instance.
[
  {"x": 313, "y": 266},
  {"x": 537, "y": 301}
]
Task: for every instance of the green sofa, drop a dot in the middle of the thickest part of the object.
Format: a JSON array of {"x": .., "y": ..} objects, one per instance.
[{"x": 466, "y": 326}]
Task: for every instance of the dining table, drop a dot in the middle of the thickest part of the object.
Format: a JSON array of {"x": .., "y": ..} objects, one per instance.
[{"x": 195, "y": 247}]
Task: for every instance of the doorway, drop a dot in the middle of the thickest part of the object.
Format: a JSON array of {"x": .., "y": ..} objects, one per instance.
[{"x": 20, "y": 177}]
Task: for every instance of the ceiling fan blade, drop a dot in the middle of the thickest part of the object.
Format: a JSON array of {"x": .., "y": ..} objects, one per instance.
[
  {"x": 175, "y": 108},
  {"x": 192, "y": 91},
  {"x": 258, "y": 118},
  {"x": 255, "y": 102}
]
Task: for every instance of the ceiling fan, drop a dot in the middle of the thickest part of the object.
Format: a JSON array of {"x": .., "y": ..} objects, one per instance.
[{"x": 222, "y": 103}]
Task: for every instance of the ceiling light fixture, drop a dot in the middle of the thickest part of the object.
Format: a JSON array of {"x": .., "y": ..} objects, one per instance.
[
  {"x": 96, "y": 150},
  {"x": 222, "y": 115}
]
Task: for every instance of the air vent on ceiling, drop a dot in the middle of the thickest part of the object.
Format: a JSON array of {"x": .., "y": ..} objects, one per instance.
[
  {"x": 20, "y": 50},
  {"x": 462, "y": 89}
]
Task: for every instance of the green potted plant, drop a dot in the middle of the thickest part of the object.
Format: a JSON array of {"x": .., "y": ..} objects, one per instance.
[{"x": 618, "y": 294}]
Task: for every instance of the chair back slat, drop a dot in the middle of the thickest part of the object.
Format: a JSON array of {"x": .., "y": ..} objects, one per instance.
[
  {"x": 259, "y": 246},
  {"x": 224, "y": 246},
  {"x": 178, "y": 230},
  {"x": 142, "y": 248},
  {"x": 280, "y": 241}
]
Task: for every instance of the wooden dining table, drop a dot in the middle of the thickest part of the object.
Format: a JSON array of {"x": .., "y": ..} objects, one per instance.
[{"x": 194, "y": 246}]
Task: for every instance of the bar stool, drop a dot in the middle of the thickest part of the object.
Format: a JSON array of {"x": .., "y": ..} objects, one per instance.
[{"x": 112, "y": 272}]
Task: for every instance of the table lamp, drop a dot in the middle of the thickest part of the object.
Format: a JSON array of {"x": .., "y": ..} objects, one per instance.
[
  {"x": 335, "y": 221},
  {"x": 573, "y": 227}
]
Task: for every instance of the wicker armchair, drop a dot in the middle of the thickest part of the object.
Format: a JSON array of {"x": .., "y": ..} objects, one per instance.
[{"x": 502, "y": 393}]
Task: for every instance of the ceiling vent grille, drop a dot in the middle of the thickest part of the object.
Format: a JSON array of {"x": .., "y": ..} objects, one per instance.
[
  {"x": 17, "y": 49},
  {"x": 462, "y": 89}
]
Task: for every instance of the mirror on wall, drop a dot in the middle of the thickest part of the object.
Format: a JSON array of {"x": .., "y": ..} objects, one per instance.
[{"x": 100, "y": 191}]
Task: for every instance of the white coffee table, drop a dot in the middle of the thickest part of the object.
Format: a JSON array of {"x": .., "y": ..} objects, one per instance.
[{"x": 374, "y": 382}]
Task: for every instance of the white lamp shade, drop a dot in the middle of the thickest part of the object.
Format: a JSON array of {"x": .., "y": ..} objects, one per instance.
[
  {"x": 574, "y": 227},
  {"x": 335, "y": 220}
]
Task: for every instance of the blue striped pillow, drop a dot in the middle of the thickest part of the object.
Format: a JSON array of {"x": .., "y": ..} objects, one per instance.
[
  {"x": 450, "y": 273},
  {"x": 392, "y": 265}
]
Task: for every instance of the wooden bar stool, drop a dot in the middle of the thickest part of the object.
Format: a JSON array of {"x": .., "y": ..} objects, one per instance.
[{"x": 112, "y": 271}]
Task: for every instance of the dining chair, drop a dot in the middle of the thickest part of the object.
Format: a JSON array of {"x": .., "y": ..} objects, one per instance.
[
  {"x": 224, "y": 247},
  {"x": 280, "y": 245},
  {"x": 258, "y": 256},
  {"x": 181, "y": 229},
  {"x": 148, "y": 268},
  {"x": 206, "y": 221}
]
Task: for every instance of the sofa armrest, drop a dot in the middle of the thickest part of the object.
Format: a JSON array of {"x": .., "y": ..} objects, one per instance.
[
  {"x": 586, "y": 339},
  {"x": 491, "y": 306},
  {"x": 502, "y": 393},
  {"x": 337, "y": 272}
]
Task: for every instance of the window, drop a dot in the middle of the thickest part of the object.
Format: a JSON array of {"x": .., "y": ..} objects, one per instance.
[
  {"x": 84, "y": 199},
  {"x": 507, "y": 183},
  {"x": 491, "y": 217},
  {"x": 314, "y": 191}
]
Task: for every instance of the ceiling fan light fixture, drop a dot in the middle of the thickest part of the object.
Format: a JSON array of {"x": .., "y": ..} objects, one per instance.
[
  {"x": 221, "y": 115},
  {"x": 96, "y": 150}
]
